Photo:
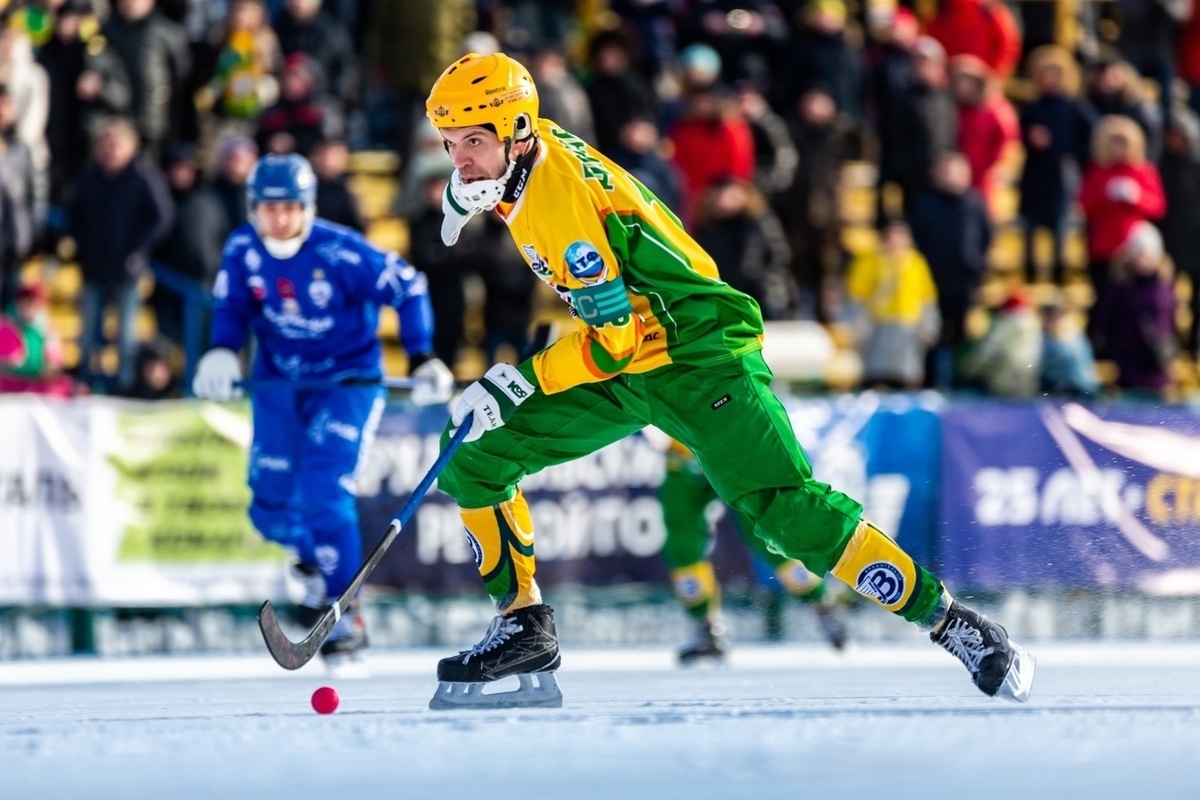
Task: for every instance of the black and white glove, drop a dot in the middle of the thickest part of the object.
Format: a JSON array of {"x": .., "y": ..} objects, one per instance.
[
  {"x": 493, "y": 398},
  {"x": 216, "y": 375},
  {"x": 433, "y": 382},
  {"x": 462, "y": 201}
]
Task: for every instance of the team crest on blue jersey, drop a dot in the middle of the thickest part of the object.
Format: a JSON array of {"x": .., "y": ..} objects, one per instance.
[
  {"x": 585, "y": 262},
  {"x": 320, "y": 290},
  {"x": 539, "y": 265}
]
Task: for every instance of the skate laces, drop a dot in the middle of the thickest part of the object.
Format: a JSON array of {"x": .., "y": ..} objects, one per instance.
[
  {"x": 964, "y": 641},
  {"x": 500, "y": 631}
]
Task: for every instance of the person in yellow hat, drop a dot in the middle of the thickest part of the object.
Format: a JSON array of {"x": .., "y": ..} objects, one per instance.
[{"x": 660, "y": 339}]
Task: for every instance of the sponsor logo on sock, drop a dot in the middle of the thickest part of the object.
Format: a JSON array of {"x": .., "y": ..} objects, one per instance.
[
  {"x": 476, "y": 550},
  {"x": 720, "y": 402},
  {"x": 883, "y": 581}
]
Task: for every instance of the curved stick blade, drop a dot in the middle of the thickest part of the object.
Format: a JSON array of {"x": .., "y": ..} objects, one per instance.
[{"x": 289, "y": 654}]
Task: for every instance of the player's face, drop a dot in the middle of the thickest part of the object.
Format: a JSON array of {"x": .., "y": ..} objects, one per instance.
[
  {"x": 477, "y": 153},
  {"x": 280, "y": 219}
]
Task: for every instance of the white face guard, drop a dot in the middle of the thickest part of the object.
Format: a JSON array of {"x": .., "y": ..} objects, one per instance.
[
  {"x": 286, "y": 248},
  {"x": 482, "y": 195}
]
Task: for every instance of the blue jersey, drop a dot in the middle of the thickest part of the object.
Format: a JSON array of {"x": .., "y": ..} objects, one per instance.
[{"x": 315, "y": 315}]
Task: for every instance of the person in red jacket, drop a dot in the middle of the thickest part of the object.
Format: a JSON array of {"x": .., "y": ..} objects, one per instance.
[
  {"x": 988, "y": 127},
  {"x": 1120, "y": 189},
  {"x": 712, "y": 141},
  {"x": 981, "y": 28}
]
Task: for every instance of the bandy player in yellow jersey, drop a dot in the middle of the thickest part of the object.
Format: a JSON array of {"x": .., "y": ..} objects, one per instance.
[{"x": 660, "y": 340}]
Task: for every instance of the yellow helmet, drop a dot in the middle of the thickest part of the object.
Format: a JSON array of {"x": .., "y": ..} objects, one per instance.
[{"x": 483, "y": 90}]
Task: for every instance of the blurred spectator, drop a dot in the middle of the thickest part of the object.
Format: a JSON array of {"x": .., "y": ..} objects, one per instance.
[
  {"x": 711, "y": 141},
  {"x": 87, "y": 83},
  {"x": 427, "y": 159},
  {"x": 120, "y": 212},
  {"x": 1148, "y": 35},
  {"x": 539, "y": 23},
  {"x": 820, "y": 57},
  {"x": 1119, "y": 190},
  {"x": 984, "y": 29},
  {"x": 445, "y": 267},
  {"x": 301, "y": 118},
  {"x": 1180, "y": 169},
  {"x": 408, "y": 45},
  {"x": 234, "y": 162},
  {"x": 305, "y": 27},
  {"x": 153, "y": 377},
  {"x": 951, "y": 227},
  {"x": 775, "y": 156},
  {"x": 747, "y": 34},
  {"x": 811, "y": 210},
  {"x": 335, "y": 203},
  {"x": 737, "y": 228},
  {"x": 1188, "y": 62},
  {"x": 652, "y": 22},
  {"x": 1056, "y": 129},
  {"x": 988, "y": 129},
  {"x": 244, "y": 82},
  {"x": 193, "y": 245},
  {"x": 1068, "y": 364},
  {"x": 1116, "y": 88},
  {"x": 640, "y": 153},
  {"x": 154, "y": 51},
  {"x": 25, "y": 197},
  {"x": 616, "y": 92},
  {"x": 892, "y": 305},
  {"x": 560, "y": 97},
  {"x": 29, "y": 87},
  {"x": 30, "y": 352},
  {"x": 923, "y": 125},
  {"x": 1007, "y": 360},
  {"x": 889, "y": 61},
  {"x": 1135, "y": 321}
]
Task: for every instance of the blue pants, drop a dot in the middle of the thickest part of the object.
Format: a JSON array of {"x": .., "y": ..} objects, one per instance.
[{"x": 303, "y": 460}]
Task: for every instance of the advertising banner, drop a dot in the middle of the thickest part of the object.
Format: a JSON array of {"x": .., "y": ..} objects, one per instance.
[
  {"x": 106, "y": 502},
  {"x": 1071, "y": 497}
]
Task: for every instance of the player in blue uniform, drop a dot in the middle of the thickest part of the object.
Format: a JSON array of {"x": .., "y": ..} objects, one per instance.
[{"x": 311, "y": 292}]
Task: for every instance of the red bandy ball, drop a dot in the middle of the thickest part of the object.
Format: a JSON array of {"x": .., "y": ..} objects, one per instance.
[{"x": 325, "y": 700}]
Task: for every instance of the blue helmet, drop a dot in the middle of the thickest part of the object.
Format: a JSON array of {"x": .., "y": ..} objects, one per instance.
[{"x": 282, "y": 177}]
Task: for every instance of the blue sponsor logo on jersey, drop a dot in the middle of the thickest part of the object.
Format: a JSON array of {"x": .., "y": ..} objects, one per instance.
[{"x": 585, "y": 262}]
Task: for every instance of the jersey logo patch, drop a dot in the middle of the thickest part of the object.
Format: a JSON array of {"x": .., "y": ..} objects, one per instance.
[
  {"x": 539, "y": 265},
  {"x": 883, "y": 581},
  {"x": 320, "y": 291},
  {"x": 585, "y": 263},
  {"x": 258, "y": 287}
]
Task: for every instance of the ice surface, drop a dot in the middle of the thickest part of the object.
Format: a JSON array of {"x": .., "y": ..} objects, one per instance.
[{"x": 887, "y": 723}]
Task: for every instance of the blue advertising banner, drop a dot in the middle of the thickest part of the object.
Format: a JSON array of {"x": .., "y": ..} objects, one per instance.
[
  {"x": 1049, "y": 496},
  {"x": 598, "y": 519}
]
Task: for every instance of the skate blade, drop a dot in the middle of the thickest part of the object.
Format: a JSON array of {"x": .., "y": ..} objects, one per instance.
[
  {"x": 1018, "y": 682},
  {"x": 544, "y": 694},
  {"x": 347, "y": 666},
  {"x": 703, "y": 661}
]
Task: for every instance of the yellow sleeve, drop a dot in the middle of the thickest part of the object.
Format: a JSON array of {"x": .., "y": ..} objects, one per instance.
[
  {"x": 582, "y": 262},
  {"x": 860, "y": 278},
  {"x": 929, "y": 293}
]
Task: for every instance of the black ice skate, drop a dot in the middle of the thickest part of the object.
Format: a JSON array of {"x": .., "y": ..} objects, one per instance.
[
  {"x": 708, "y": 645},
  {"x": 316, "y": 601},
  {"x": 523, "y": 644},
  {"x": 831, "y": 625},
  {"x": 998, "y": 666},
  {"x": 342, "y": 650}
]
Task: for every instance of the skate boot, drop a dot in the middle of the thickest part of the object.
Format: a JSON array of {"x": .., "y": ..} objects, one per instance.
[
  {"x": 708, "y": 644},
  {"x": 316, "y": 601},
  {"x": 342, "y": 650},
  {"x": 522, "y": 643},
  {"x": 831, "y": 624},
  {"x": 998, "y": 666}
]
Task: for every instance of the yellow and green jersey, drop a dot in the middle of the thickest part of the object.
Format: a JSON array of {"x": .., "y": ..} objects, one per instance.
[{"x": 641, "y": 291}]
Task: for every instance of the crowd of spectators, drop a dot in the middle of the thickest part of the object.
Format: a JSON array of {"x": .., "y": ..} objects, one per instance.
[{"x": 129, "y": 127}]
